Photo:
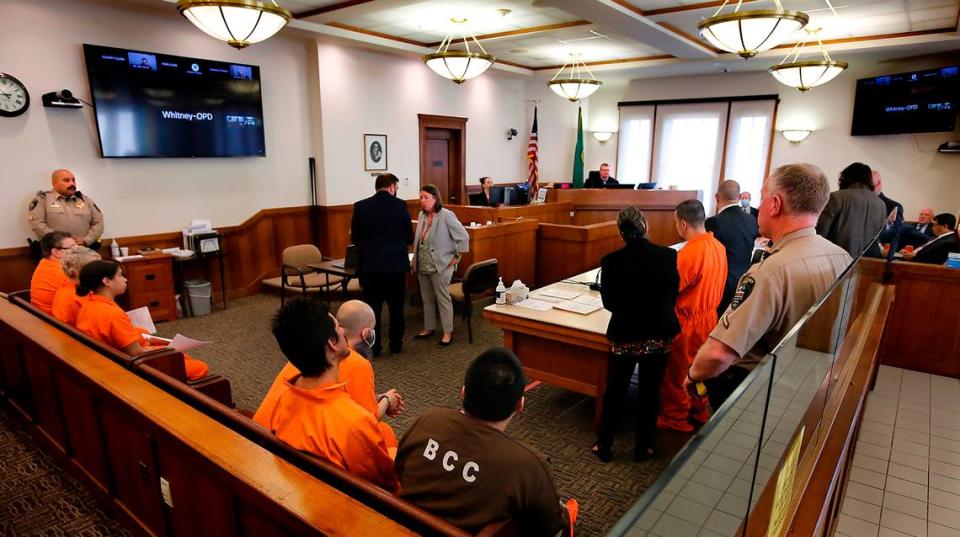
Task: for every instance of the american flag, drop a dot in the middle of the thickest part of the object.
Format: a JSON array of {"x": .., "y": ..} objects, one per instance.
[{"x": 533, "y": 149}]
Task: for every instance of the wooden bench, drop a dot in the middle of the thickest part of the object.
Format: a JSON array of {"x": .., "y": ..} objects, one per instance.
[{"x": 121, "y": 426}]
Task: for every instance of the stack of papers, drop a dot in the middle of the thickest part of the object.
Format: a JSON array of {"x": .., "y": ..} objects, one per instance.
[
  {"x": 534, "y": 304},
  {"x": 577, "y": 307},
  {"x": 559, "y": 293}
]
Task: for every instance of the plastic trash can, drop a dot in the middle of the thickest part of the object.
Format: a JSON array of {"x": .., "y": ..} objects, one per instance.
[{"x": 200, "y": 295}]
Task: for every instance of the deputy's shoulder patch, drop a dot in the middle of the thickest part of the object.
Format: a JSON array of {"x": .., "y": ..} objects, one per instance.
[
  {"x": 744, "y": 288},
  {"x": 41, "y": 194}
]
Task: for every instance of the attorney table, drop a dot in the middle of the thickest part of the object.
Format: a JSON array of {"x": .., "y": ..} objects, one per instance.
[{"x": 560, "y": 348}]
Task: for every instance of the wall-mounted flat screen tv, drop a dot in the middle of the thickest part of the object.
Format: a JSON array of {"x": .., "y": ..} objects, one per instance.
[
  {"x": 920, "y": 101},
  {"x": 158, "y": 105}
]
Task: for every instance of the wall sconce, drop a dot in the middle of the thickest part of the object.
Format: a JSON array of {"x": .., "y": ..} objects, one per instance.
[
  {"x": 602, "y": 136},
  {"x": 795, "y": 135}
]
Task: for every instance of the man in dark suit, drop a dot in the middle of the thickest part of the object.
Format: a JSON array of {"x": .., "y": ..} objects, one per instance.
[
  {"x": 602, "y": 179},
  {"x": 737, "y": 231},
  {"x": 746, "y": 207},
  {"x": 936, "y": 251},
  {"x": 381, "y": 230},
  {"x": 919, "y": 233}
]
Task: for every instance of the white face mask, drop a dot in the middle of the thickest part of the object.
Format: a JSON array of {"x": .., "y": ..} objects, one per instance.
[{"x": 370, "y": 338}]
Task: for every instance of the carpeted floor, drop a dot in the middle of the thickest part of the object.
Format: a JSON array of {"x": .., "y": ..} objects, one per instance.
[
  {"x": 38, "y": 498},
  {"x": 555, "y": 421}
]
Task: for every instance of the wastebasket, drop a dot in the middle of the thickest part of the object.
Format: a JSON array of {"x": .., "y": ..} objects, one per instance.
[{"x": 200, "y": 295}]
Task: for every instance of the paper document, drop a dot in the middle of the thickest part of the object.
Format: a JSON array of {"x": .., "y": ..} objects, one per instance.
[
  {"x": 183, "y": 343},
  {"x": 544, "y": 298},
  {"x": 141, "y": 318},
  {"x": 534, "y": 304},
  {"x": 678, "y": 246},
  {"x": 122, "y": 258},
  {"x": 560, "y": 293},
  {"x": 589, "y": 300},
  {"x": 577, "y": 307}
]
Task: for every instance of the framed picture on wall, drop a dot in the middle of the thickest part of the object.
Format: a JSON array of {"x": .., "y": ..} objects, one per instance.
[{"x": 375, "y": 152}]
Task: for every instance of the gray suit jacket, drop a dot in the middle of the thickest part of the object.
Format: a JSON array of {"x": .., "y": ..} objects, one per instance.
[
  {"x": 447, "y": 237},
  {"x": 851, "y": 219}
]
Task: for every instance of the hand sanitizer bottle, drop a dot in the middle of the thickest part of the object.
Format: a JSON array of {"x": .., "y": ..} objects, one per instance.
[
  {"x": 114, "y": 249},
  {"x": 501, "y": 292}
]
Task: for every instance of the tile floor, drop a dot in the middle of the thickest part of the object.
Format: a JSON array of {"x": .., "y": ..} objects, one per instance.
[
  {"x": 905, "y": 479},
  {"x": 708, "y": 495}
]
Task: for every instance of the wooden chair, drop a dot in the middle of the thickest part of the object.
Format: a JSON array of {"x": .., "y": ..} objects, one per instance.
[
  {"x": 479, "y": 278},
  {"x": 296, "y": 261}
]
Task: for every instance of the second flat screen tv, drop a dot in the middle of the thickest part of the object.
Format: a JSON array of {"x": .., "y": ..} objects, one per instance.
[
  {"x": 158, "y": 105},
  {"x": 921, "y": 101}
]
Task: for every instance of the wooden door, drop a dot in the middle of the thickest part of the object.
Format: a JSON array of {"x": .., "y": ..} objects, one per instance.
[
  {"x": 443, "y": 155},
  {"x": 437, "y": 166}
]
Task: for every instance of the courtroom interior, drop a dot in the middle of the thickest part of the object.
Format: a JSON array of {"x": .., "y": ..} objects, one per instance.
[{"x": 480, "y": 267}]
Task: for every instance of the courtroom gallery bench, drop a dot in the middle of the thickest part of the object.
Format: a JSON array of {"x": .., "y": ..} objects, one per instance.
[{"x": 162, "y": 439}]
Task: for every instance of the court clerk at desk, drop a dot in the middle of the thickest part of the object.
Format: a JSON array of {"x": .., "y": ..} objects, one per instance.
[{"x": 485, "y": 197}]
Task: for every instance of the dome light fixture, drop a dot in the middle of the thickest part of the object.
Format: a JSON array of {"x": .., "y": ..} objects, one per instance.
[
  {"x": 807, "y": 74},
  {"x": 239, "y": 23},
  {"x": 603, "y": 136},
  {"x": 747, "y": 33},
  {"x": 574, "y": 86},
  {"x": 459, "y": 65}
]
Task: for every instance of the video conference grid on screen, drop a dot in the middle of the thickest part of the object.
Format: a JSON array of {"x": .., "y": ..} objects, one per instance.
[
  {"x": 158, "y": 105},
  {"x": 920, "y": 101}
]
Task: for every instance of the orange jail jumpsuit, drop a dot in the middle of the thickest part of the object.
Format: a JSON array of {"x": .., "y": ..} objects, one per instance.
[
  {"x": 103, "y": 320},
  {"x": 702, "y": 264},
  {"x": 66, "y": 303},
  {"x": 328, "y": 423},
  {"x": 46, "y": 279},
  {"x": 356, "y": 373}
]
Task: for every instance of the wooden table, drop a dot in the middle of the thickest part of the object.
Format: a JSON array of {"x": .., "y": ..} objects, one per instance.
[{"x": 560, "y": 348}]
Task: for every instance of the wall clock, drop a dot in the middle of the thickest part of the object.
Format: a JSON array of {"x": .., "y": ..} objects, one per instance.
[{"x": 14, "y": 98}]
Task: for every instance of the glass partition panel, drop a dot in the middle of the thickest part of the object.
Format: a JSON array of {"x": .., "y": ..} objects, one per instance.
[{"x": 722, "y": 480}]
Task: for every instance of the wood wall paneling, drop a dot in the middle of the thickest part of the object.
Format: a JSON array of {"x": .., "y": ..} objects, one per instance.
[
  {"x": 565, "y": 251},
  {"x": 513, "y": 244},
  {"x": 923, "y": 331}
]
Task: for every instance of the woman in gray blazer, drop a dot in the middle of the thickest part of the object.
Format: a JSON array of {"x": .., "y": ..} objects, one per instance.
[{"x": 437, "y": 248}]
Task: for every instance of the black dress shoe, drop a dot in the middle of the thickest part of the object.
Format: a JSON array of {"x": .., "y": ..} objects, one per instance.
[
  {"x": 423, "y": 336},
  {"x": 602, "y": 453},
  {"x": 643, "y": 455},
  {"x": 443, "y": 343},
  {"x": 394, "y": 352}
]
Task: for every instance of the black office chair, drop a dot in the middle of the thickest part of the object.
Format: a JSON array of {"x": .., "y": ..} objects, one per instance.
[{"x": 479, "y": 278}]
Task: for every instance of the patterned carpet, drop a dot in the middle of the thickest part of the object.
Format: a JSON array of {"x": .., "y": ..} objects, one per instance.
[
  {"x": 555, "y": 421},
  {"x": 38, "y": 498}
]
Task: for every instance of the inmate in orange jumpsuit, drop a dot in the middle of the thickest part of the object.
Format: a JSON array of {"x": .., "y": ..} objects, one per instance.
[
  {"x": 102, "y": 319},
  {"x": 46, "y": 279},
  {"x": 327, "y": 422},
  {"x": 356, "y": 373},
  {"x": 66, "y": 303},
  {"x": 702, "y": 264}
]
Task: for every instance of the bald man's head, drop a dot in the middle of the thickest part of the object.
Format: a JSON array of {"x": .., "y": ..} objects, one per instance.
[
  {"x": 728, "y": 192},
  {"x": 356, "y": 318},
  {"x": 64, "y": 182}
]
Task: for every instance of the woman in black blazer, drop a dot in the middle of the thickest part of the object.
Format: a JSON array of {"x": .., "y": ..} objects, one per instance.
[{"x": 639, "y": 284}]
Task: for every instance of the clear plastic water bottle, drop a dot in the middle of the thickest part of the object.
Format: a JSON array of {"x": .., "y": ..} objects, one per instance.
[
  {"x": 114, "y": 249},
  {"x": 501, "y": 292}
]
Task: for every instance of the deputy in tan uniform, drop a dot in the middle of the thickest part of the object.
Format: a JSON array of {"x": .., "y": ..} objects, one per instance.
[
  {"x": 775, "y": 293},
  {"x": 66, "y": 209}
]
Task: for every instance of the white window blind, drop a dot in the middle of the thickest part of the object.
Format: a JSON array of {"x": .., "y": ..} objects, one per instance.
[
  {"x": 688, "y": 148},
  {"x": 748, "y": 144},
  {"x": 633, "y": 146}
]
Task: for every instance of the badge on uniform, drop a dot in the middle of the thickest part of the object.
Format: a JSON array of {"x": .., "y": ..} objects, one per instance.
[
  {"x": 744, "y": 288},
  {"x": 81, "y": 204}
]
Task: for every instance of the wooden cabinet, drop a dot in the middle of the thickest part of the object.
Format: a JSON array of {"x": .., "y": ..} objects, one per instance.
[{"x": 150, "y": 284}]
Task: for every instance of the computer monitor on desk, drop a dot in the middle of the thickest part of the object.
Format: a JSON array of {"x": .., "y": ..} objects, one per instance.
[{"x": 497, "y": 196}]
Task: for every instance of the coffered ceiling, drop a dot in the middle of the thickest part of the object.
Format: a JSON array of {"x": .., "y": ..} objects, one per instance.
[{"x": 537, "y": 36}]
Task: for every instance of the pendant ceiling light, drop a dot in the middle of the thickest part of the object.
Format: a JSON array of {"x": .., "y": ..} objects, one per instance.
[
  {"x": 807, "y": 74},
  {"x": 239, "y": 23},
  {"x": 574, "y": 86},
  {"x": 459, "y": 65},
  {"x": 747, "y": 33}
]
